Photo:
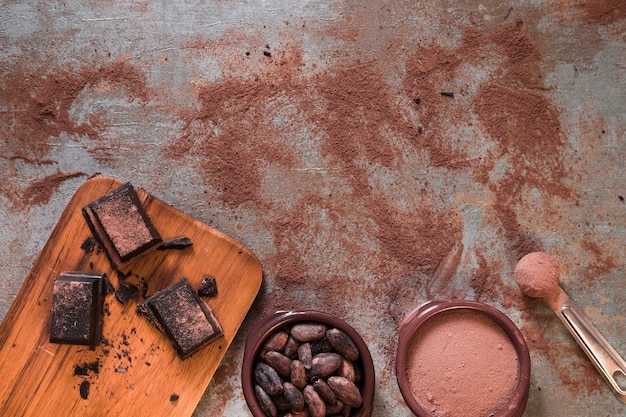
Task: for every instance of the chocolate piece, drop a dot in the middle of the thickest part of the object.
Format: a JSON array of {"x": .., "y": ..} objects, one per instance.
[
  {"x": 126, "y": 292},
  {"x": 84, "y": 389},
  {"x": 119, "y": 221},
  {"x": 88, "y": 244},
  {"x": 84, "y": 368},
  {"x": 183, "y": 316},
  {"x": 208, "y": 287},
  {"x": 176, "y": 243},
  {"x": 77, "y": 299}
]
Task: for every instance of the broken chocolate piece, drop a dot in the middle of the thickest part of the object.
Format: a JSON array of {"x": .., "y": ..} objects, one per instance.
[
  {"x": 126, "y": 292},
  {"x": 176, "y": 243},
  {"x": 208, "y": 287},
  {"x": 183, "y": 316},
  {"x": 88, "y": 244},
  {"x": 119, "y": 221},
  {"x": 77, "y": 299},
  {"x": 84, "y": 389}
]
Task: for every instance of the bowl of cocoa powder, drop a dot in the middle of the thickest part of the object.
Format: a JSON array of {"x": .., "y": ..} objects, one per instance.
[
  {"x": 462, "y": 358},
  {"x": 307, "y": 363}
]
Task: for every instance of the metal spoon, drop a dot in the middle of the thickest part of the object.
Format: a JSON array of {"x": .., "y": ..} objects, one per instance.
[{"x": 537, "y": 274}]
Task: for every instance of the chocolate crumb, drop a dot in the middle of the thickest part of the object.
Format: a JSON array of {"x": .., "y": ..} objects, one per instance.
[
  {"x": 125, "y": 293},
  {"x": 84, "y": 389},
  {"x": 88, "y": 244},
  {"x": 176, "y": 243},
  {"x": 84, "y": 368},
  {"x": 208, "y": 287}
]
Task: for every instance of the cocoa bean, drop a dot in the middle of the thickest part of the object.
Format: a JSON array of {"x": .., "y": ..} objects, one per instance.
[
  {"x": 294, "y": 397},
  {"x": 345, "y": 390},
  {"x": 279, "y": 362},
  {"x": 336, "y": 408},
  {"x": 291, "y": 348},
  {"x": 265, "y": 402},
  {"x": 325, "y": 364},
  {"x": 305, "y": 355},
  {"x": 280, "y": 402},
  {"x": 275, "y": 342},
  {"x": 268, "y": 379},
  {"x": 308, "y": 332},
  {"x": 314, "y": 403},
  {"x": 321, "y": 346},
  {"x": 325, "y": 392},
  {"x": 347, "y": 370},
  {"x": 342, "y": 343},
  {"x": 298, "y": 374}
]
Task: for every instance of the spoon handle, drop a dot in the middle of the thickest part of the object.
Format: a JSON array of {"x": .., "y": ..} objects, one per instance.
[{"x": 600, "y": 352}]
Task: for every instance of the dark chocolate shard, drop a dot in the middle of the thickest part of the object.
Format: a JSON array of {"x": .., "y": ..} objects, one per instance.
[
  {"x": 126, "y": 292},
  {"x": 183, "y": 316},
  {"x": 84, "y": 389},
  {"x": 84, "y": 368},
  {"x": 208, "y": 287},
  {"x": 88, "y": 244},
  {"x": 176, "y": 243},
  {"x": 120, "y": 223},
  {"x": 77, "y": 304}
]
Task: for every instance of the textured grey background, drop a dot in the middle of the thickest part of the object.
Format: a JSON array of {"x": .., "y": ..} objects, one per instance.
[{"x": 179, "y": 47}]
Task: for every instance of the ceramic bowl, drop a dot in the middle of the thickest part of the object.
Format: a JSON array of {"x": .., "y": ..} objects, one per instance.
[
  {"x": 516, "y": 403},
  {"x": 281, "y": 319}
]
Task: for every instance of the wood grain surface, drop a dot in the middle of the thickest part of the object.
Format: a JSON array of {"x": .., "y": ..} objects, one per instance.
[{"x": 135, "y": 370}]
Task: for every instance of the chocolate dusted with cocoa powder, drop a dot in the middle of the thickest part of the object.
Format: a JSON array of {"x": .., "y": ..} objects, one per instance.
[
  {"x": 77, "y": 307},
  {"x": 120, "y": 223},
  {"x": 183, "y": 316}
]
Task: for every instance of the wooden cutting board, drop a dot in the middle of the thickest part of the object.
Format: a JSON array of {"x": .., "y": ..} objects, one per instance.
[{"x": 135, "y": 370}]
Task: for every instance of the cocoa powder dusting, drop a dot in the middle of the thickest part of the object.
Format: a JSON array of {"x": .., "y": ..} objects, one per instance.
[
  {"x": 353, "y": 112},
  {"x": 603, "y": 12},
  {"x": 39, "y": 104},
  {"x": 40, "y": 191}
]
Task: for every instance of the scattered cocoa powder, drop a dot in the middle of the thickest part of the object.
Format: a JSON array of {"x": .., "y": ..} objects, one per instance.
[
  {"x": 603, "y": 12},
  {"x": 40, "y": 191},
  {"x": 39, "y": 103}
]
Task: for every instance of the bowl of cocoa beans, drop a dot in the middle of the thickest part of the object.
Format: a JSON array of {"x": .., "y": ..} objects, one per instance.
[{"x": 307, "y": 364}]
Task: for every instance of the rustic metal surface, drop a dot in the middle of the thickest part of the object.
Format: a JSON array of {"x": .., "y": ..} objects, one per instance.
[{"x": 352, "y": 146}]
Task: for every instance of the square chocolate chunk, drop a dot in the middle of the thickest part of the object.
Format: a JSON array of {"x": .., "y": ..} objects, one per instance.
[
  {"x": 119, "y": 221},
  {"x": 183, "y": 316},
  {"x": 77, "y": 300}
]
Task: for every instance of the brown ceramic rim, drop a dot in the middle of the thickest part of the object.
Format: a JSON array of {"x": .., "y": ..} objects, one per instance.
[
  {"x": 266, "y": 326},
  {"x": 516, "y": 404}
]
